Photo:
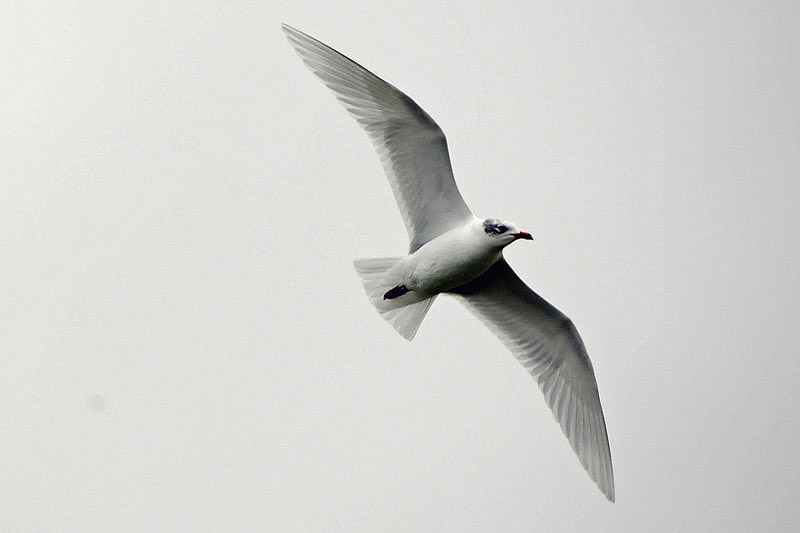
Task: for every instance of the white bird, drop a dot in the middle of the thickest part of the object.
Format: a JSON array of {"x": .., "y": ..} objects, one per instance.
[{"x": 452, "y": 251}]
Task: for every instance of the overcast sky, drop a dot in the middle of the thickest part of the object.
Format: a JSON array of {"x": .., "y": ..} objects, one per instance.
[{"x": 186, "y": 346}]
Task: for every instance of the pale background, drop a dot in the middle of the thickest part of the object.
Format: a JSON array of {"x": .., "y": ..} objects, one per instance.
[{"x": 186, "y": 347}]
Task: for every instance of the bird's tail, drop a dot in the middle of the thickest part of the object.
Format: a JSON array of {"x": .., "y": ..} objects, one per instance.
[{"x": 404, "y": 312}]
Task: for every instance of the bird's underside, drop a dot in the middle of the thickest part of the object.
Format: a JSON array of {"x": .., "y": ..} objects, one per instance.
[{"x": 414, "y": 153}]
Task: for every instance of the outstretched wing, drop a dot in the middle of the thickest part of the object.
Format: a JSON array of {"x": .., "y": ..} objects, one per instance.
[
  {"x": 411, "y": 145},
  {"x": 549, "y": 347}
]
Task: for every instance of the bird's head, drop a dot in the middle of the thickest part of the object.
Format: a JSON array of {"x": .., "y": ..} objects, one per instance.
[{"x": 502, "y": 233}]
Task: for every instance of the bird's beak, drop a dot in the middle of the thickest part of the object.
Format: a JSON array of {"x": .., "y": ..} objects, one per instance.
[{"x": 523, "y": 235}]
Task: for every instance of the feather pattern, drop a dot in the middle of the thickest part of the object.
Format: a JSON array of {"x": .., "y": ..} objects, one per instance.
[
  {"x": 547, "y": 344},
  {"x": 411, "y": 146}
]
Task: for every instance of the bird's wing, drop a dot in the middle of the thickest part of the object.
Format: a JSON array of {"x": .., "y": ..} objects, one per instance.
[
  {"x": 549, "y": 347},
  {"x": 411, "y": 145}
]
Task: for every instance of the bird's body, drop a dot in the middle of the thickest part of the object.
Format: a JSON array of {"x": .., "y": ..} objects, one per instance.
[
  {"x": 448, "y": 261},
  {"x": 452, "y": 251}
]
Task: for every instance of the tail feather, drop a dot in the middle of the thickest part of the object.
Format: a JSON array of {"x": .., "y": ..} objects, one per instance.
[{"x": 405, "y": 313}]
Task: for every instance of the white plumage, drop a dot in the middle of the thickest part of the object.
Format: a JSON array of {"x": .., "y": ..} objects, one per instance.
[{"x": 452, "y": 251}]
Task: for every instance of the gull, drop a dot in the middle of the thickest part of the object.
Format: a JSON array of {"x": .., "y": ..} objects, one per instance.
[{"x": 454, "y": 252}]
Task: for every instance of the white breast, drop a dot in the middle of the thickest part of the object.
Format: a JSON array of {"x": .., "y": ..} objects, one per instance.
[{"x": 448, "y": 261}]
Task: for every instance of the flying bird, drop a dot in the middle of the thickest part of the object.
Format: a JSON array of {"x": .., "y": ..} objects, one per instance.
[{"x": 454, "y": 252}]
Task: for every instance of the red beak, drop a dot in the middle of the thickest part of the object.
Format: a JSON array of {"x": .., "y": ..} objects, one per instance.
[{"x": 523, "y": 235}]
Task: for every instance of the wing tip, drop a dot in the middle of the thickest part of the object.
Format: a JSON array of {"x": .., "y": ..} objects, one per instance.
[
  {"x": 295, "y": 36},
  {"x": 607, "y": 488}
]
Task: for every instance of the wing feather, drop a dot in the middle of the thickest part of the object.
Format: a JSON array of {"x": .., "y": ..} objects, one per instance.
[
  {"x": 411, "y": 146},
  {"x": 547, "y": 344}
]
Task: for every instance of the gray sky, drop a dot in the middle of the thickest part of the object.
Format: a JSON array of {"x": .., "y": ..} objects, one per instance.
[{"x": 185, "y": 344}]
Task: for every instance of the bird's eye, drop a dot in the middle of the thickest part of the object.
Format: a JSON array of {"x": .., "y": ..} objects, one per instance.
[{"x": 494, "y": 226}]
